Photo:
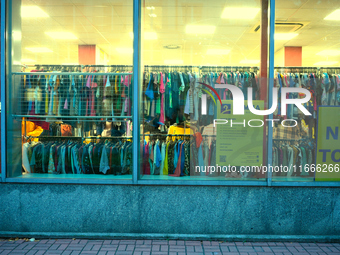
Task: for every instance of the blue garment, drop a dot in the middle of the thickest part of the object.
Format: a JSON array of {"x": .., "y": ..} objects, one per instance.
[
  {"x": 200, "y": 159},
  {"x": 175, "y": 157},
  {"x": 149, "y": 91}
]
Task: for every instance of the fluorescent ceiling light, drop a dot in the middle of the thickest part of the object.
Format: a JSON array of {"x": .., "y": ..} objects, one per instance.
[
  {"x": 125, "y": 50},
  {"x": 27, "y": 60},
  {"x": 217, "y": 52},
  {"x": 150, "y": 36},
  {"x": 150, "y": 8},
  {"x": 174, "y": 62},
  {"x": 334, "y": 15},
  {"x": 249, "y": 61},
  {"x": 153, "y": 15},
  {"x": 39, "y": 49},
  {"x": 16, "y": 35},
  {"x": 284, "y": 36},
  {"x": 61, "y": 35},
  {"x": 32, "y": 12},
  {"x": 325, "y": 63},
  {"x": 196, "y": 29},
  {"x": 329, "y": 53},
  {"x": 147, "y": 35},
  {"x": 239, "y": 13}
]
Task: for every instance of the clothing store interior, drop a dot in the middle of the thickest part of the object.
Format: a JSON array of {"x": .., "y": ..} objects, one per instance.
[{"x": 74, "y": 97}]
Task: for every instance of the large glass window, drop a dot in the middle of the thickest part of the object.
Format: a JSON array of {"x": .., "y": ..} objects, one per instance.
[
  {"x": 69, "y": 89},
  {"x": 307, "y": 57},
  {"x": 189, "y": 129}
]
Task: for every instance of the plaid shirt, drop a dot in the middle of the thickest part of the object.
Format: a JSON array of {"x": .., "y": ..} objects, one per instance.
[{"x": 291, "y": 133}]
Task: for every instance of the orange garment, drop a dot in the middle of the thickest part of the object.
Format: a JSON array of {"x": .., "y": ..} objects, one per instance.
[
  {"x": 198, "y": 138},
  {"x": 31, "y": 129}
]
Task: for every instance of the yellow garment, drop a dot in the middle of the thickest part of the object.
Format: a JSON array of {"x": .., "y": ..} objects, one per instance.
[
  {"x": 173, "y": 130},
  {"x": 31, "y": 129},
  {"x": 165, "y": 168},
  {"x": 116, "y": 84}
]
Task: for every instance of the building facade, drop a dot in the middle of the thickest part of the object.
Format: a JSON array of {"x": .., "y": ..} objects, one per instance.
[{"x": 158, "y": 119}]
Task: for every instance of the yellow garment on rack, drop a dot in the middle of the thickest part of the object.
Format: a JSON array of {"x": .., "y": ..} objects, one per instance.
[
  {"x": 31, "y": 129},
  {"x": 174, "y": 130},
  {"x": 116, "y": 84},
  {"x": 165, "y": 168}
]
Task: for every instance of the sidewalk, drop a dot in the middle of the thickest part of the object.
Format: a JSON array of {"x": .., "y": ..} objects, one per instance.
[{"x": 160, "y": 247}]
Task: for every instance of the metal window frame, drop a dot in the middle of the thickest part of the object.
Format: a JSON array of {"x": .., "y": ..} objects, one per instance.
[{"x": 137, "y": 67}]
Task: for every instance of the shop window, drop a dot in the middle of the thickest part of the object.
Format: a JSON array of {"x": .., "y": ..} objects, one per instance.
[
  {"x": 190, "y": 50},
  {"x": 70, "y": 89},
  {"x": 307, "y": 56}
]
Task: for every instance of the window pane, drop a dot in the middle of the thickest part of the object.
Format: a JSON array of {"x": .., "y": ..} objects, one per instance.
[
  {"x": 69, "y": 89},
  {"x": 307, "y": 57},
  {"x": 189, "y": 49}
]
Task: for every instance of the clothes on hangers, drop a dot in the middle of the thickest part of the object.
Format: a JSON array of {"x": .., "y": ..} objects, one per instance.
[
  {"x": 76, "y": 94},
  {"x": 166, "y": 158},
  {"x": 296, "y": 158},
  {"x": 71, "y": 157}
]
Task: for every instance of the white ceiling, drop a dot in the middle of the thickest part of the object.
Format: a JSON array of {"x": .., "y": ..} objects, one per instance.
[{"x": 107, "y": 24}]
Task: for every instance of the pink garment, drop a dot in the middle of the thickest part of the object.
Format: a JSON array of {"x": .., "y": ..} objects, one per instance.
[
  {"x": 162, "y": 90},
  {"x": 66, "y": 105},
  {"x": 225, "y": 94},
  {"x": 222, "y": 80},
  {"x": 161, "y": 118},
  {"x": 126, "y": 104},
  {"x": 126, "y": 82},
  {"x": 88, "y": 83}
]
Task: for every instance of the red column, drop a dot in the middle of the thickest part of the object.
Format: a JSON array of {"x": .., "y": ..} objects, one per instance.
[
  {"x": 87, "y": 54},
  {"x": 264, "y": 73},
  {"x": 293, "y": 56}
]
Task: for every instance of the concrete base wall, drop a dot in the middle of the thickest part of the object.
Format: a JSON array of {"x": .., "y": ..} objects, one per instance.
[{"x": 168, "y": 210}]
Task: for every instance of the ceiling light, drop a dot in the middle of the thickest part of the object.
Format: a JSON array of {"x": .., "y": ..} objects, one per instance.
[
  {"x": 284, "y": 36},
  {"x": 39, "y": 49},
  {"x": 329, "y": 53},
  {"x": 61, "y": 35},
  {"x": 32, "y": 12},
  {"x": 239, "y": 13},
  {"x": 150, "y": 35},
  {"x": 196, "y": 29},
  {"x": 150, "y": 8},
  {"x": 249, "y": 61},
  {"x": 325, "y": 63},
  {"x": 334, "y": 15},
  {"x": 27, "y": 60},
  {"x": 174, "y": 62},
  {"x": 16, "y": 35},
  {"x": 217, "y": 52},
  {"x": 153, "y": 15},
  {"x": 125, "y": 50}
]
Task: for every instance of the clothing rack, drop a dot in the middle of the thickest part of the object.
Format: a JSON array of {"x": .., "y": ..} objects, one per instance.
[
  {"x": 307, "y": 68},
  {"x": 108, "y": 137},
  {"x": 226, "y": 68},
  {"x": 67, "y": 73},
  {"x": 165, "y": 135}
]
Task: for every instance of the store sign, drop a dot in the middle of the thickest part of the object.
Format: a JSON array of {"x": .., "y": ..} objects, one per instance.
[
  {"x": 241, "y": 145},
  {"x": 327, "y": 167}
]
